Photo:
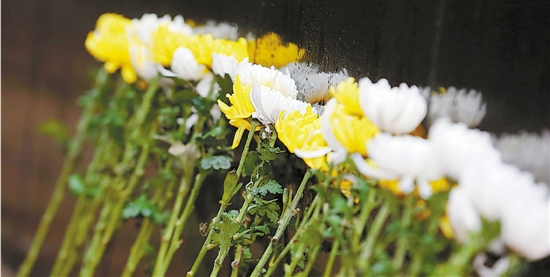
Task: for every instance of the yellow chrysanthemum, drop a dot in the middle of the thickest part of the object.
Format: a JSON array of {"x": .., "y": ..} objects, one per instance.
[
  {"x": 295, "y": 129},
  {"x": 352, "y": 131},
  {"x": 240, "y": 110},
  {"x": 347, "y": 94},
  {"x": 166, "y": 41},
  {"x": 269, "y": 50},
  {"x": 302, "y": 131},
  {"x": 109, "y": 44}
]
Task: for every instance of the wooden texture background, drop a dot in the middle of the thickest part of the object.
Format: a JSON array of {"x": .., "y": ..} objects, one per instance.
[{"x": 501, "y": 48}]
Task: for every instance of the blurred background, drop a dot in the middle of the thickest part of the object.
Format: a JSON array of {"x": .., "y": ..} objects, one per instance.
[{"x": 499, "y": 48}]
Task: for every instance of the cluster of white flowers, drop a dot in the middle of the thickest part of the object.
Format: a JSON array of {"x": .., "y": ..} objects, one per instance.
[{"x": 458, "y": 105}]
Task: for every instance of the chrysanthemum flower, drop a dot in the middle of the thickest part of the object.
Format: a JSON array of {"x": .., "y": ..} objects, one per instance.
[
  {"x": 313, "y": 86},
  {"x": 300, "y": 132},
  {"x": 269, "y": 103},
  {"x": 241, "y": 109},
  {"x": 461, "y": 148},
  {"x": 458, "y": 105},
  {"x": 269, "y": 50},
  {"x": 109, "y": 44},
  {"x": 397, "y": 110},
  {"x": 184, "y": 65},
  {"x": 256, "y": 74},
  {"x": 347, "y": 94},
  {"x": 339, "y": 152},
  {"x": 352, "y": 131}
]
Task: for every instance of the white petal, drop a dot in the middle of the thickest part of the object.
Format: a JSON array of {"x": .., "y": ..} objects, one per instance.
[
  {"x": 185, "y": 65},
  {"x": 462, "y": 214}
]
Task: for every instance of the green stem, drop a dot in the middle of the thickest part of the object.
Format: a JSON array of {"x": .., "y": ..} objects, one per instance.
[
  {"x": 74, "y": 150},
  {"x": 82, "y": 207},
  {"x": 111, "y": 213},
  {"x": 296, "y": 257},
  {"x": 283, "y": 223},
  {"x": 373, "y": 233},
  {"x": 402, "y": 241},
  {"x": 237, "y": 262},
  {"x": 223, "y": 205},
  {"x": 219, "y": 261},
  {"x": 311, "y": 260},
  {"x": 314, "y": 207},
  {"x": 138, "y": 248},
  {"x": 180, "y": 224},
  {"x": 331, "y": 258},
  {"x": 169, "y": 230},
  {"x": 459, "y": 260}
]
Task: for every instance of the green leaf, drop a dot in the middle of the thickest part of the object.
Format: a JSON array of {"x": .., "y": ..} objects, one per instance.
[
  {"x": 247, "y": 255},
  {"x": 268, "y": 153},
  {"x": 55, "y": 129},
  {"x": 224, "y": 230},
  {"x": 216, "y": 162},
  {"x": 252, "y": 159},
  {"x": 76, "y": 184},
  {"x": 142, "y": 206},
  {"x": 271, "y": 186},
  {"x": 265, "y": 208}
]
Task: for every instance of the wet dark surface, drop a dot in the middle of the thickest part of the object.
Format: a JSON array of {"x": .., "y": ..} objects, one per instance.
[{"x": 499, "y": 48}]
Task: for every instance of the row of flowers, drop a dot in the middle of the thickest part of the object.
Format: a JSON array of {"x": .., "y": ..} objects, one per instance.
[{"x": 411, "y": 140}]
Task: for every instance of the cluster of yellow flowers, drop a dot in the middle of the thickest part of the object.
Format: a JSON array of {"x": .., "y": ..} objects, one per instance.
[{"x": 138, "y": 46}]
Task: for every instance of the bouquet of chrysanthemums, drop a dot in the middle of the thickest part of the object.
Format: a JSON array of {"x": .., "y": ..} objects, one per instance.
[{"x": 319, "y": 173}]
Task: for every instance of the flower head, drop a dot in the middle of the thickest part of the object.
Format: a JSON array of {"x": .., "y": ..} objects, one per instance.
[
  {"x": 313, "y": 86},
  {"x": 220, "y": 30},
  {"x": 270, "y": 77},
  {"x": 240, "y": 110},
  {"x": 397, "y": 110},
  {"x": 300, "y": 132},
  {"x": 347, "y": 94},
  {"x": 109, "y": 44},
  {"x": 269, "y": 103},
  {"x": 352, "y": 131},
  {"x": 458, "y": 105},
  {"x": 412, "y": 160}
]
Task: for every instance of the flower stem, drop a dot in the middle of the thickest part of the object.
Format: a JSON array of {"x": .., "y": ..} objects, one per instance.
[
  {"x": 402, "y": 241},
  {"x": 315, "y": 204},
  {"x": 223, "y": 205},
  {"x": 331, "y": 258},
  {"x": 74, "y": 149},
  {"x": 283, "y": 223},
  {"x": 374, "y": 231},
  {"x": 180, "y": 224}
]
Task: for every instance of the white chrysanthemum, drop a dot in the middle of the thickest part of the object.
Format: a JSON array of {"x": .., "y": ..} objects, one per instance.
[
  {"x": 462, "y": 214},
  {"x": 458, "y": 105},
  {"x": 269, "y": 103},
  {"x": 461, "y": 148},
  {"x": 221, "y": 30},
  {"x": 184, "y": 65},
  {"x": 525, "y": 223},
  {"x": 313, "y": 86},
  {"x": 527, "y": 151},
  {"x": 397, "y": 110},
  {"x": 492, "y": 185},
  {"x": 407, "y": 158},
  {"x": 142, "y": 61},
  {"x": 226, "y": 65},
  {"x": 502, "y": 192},
  {"x": 251, "y": 74}
]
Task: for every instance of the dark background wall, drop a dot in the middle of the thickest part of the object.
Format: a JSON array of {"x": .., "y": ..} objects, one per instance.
[{"x": 498, "y": 47}]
